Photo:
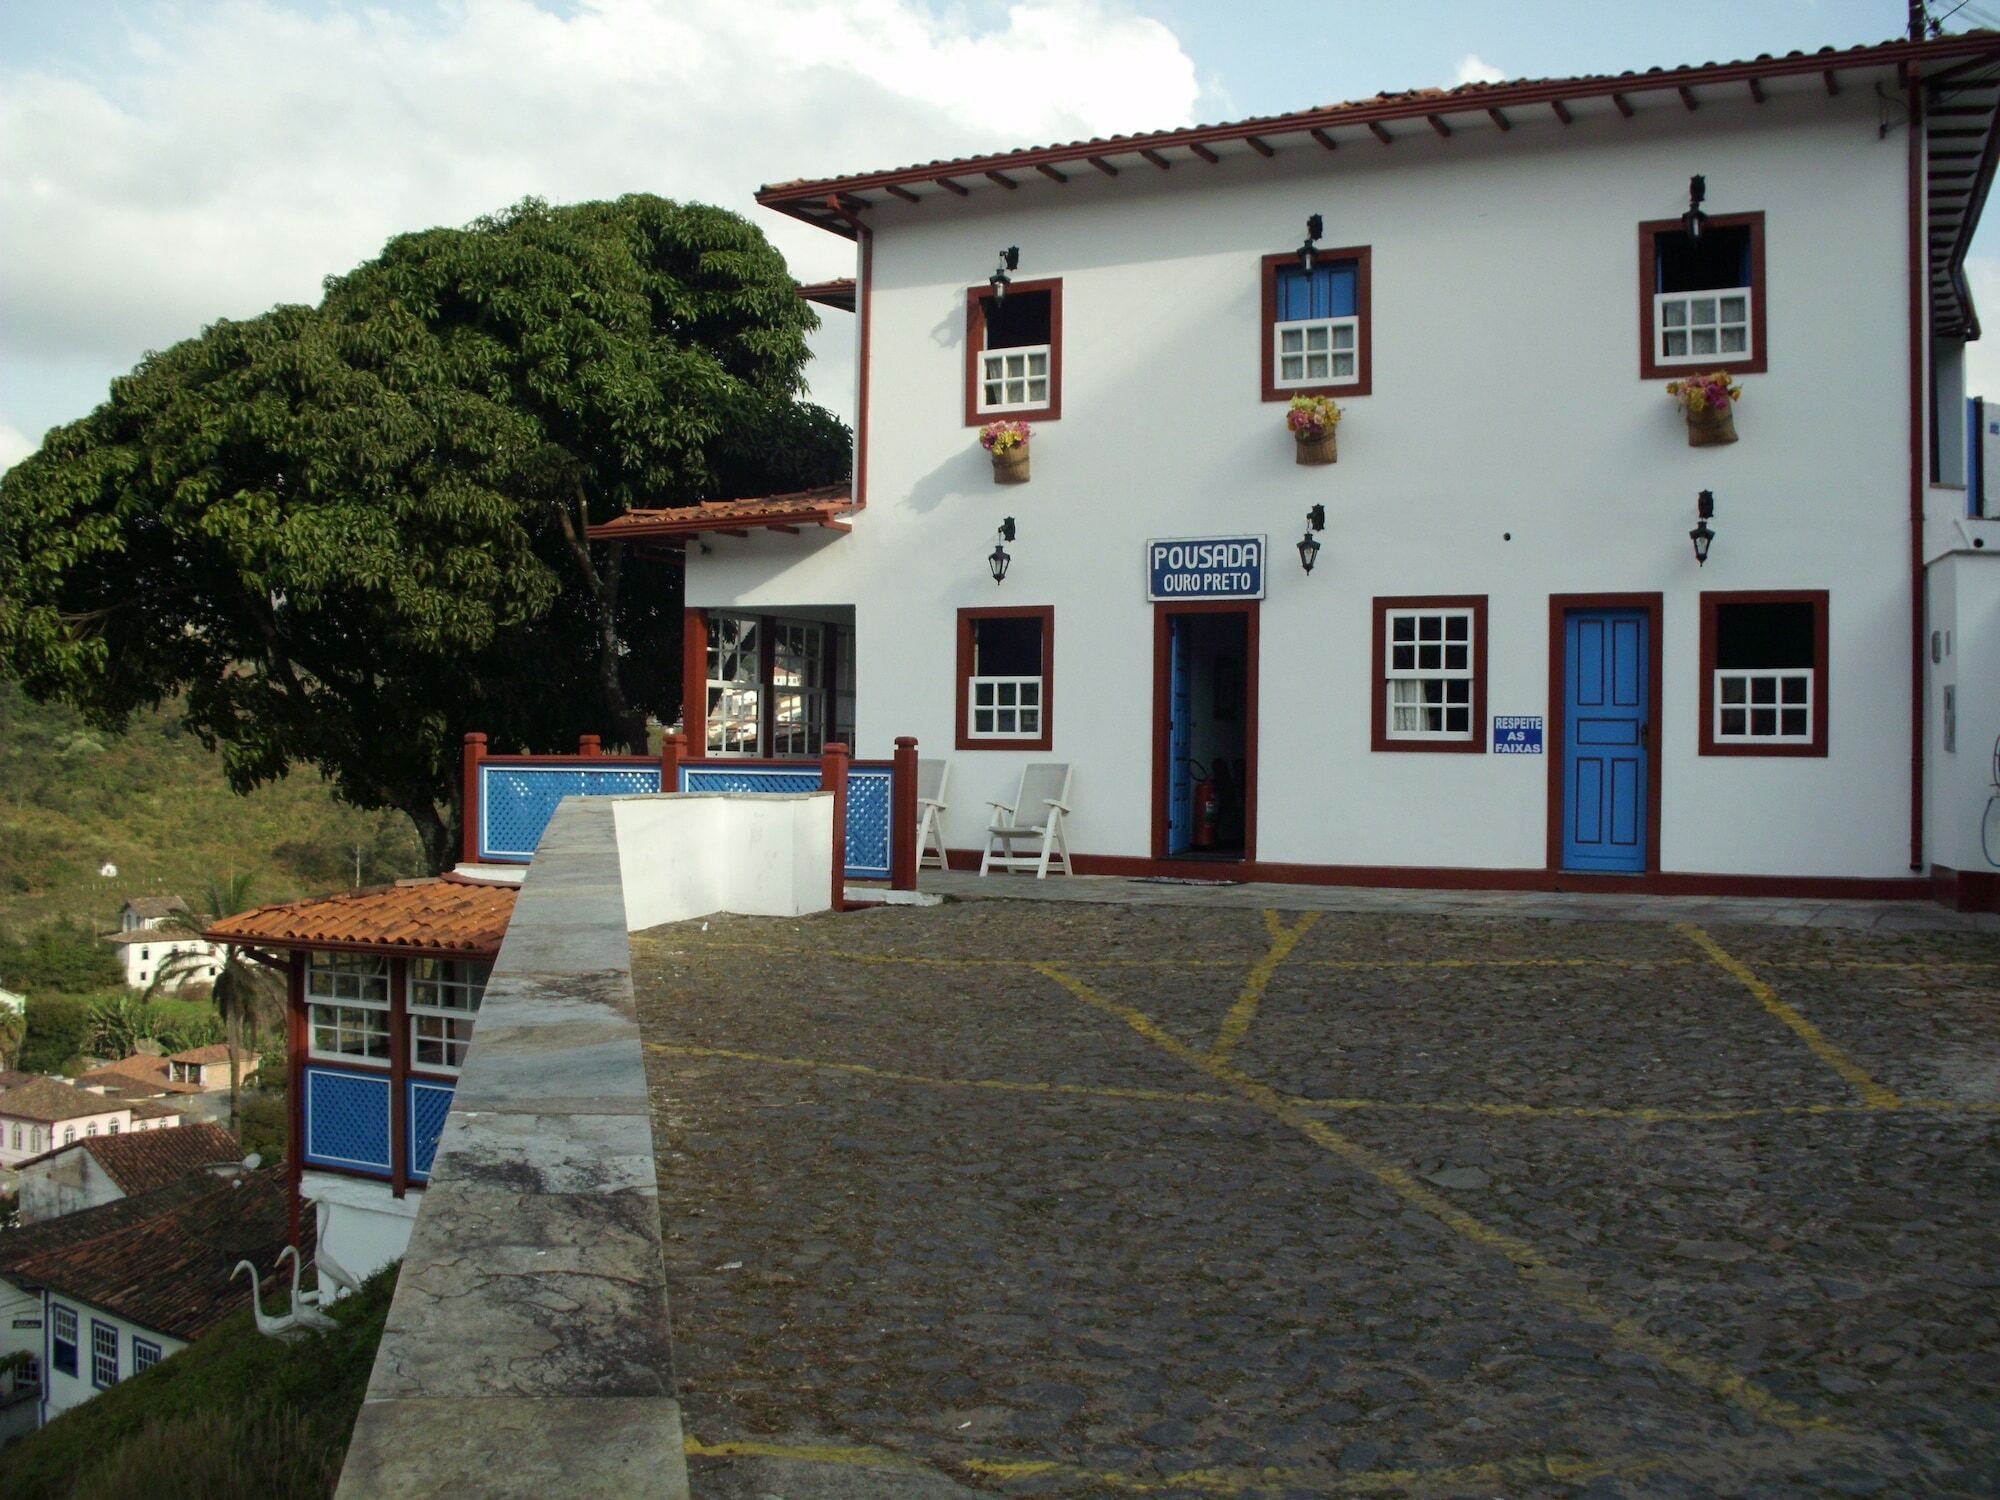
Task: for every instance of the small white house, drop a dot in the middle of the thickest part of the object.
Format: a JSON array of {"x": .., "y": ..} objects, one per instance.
[
  {"x": 102, "y": 1169},
  {"x": 15, "y": 1004},
  {"x": 146, "y": 947},
  {"x": 1528, "y": 631},
  {"x": 45, "y": 1113}
]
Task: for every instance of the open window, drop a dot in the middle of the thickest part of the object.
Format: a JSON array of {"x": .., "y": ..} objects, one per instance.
[
  {"x": 347, "y": 1007},
  {"x": 1701, "y": 297},
  {"x": 1014, "y": 353},
  {"x": 1430, "y": 683},
  {"x": 444, "y": 998},
  {"x": 1316, "y": 325},
  {"x": 777, "y": 686},
  {"x": 1005, "y": 678},
  {"x": 1763, "y": 660}
]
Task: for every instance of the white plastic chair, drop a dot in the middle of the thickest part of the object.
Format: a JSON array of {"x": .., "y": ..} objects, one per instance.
[
  {"x": 1036, "y": 812},
  {"x": 932, "y": 778}
]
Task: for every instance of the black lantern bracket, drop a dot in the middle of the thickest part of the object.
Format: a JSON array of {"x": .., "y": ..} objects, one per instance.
[
  {"x": 1309, "y": 543},
  {"x": 1010, "y": 260},
  {"x": 1309, "y": 251},
  {"x": 998, "y": 560},
  {"x": 1693, "y": 220},
  {"x": 1703, "y": 535}
]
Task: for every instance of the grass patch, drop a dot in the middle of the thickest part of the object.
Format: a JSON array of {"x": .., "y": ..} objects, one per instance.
[{"x": 236, "y": 1414}]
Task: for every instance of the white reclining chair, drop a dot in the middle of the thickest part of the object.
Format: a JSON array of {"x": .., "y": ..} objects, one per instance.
[
  {"x": 1036, "y": 812},
  {"x": 932, "y": 778}
]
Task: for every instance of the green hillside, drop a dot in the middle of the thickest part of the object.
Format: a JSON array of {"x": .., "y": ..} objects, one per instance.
[
  {"x": 154, "y": 803},
  {"x": 236, "y": 1414}
]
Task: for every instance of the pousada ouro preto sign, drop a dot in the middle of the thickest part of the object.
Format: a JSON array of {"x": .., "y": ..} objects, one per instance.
[{"x": 1204, "y": 567}]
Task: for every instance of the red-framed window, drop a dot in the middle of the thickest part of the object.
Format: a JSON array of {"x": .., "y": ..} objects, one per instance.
[
  {"x": 1429, "y": 674},
  {"x": 1013, "y": 353},
  {"x": 1764, "y": 672},
  {"x": 1701, "y": 298},
  {"x": 1006, "y": 678},
  {"x": 1318, "y": 331},
  {"x": 770, "y": 686}
]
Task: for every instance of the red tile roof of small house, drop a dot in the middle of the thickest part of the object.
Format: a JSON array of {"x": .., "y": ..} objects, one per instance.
[
  {"x": 140, "y": 1161},
  {"x": 165, "y": 1260},
  {"x": 146, "y": 1109},
  {"x": 208, "y": 1057},
  {"x": 142, "y": 1073},
  {"x": 449, "y": 915},
  {"x": 823, "y": 506},
  {"x": 9, "y": 1077},
  {"x": 47, "y": 1099},
  {"x": 837, "y": 293},
  {"x": 153, "y": 907}
]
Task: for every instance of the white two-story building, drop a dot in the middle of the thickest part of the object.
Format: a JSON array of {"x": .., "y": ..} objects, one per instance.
[{"x": 1508, "y": 665}]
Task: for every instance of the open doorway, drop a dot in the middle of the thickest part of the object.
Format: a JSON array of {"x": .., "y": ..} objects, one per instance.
[{"x": 1205, "y": 734}]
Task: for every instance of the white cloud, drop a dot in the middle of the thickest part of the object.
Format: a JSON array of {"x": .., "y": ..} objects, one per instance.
[
  {"x": 251, "y": 149},
  {"x": 14, "y": 446},
  {"x": 1472, "y": 68}
]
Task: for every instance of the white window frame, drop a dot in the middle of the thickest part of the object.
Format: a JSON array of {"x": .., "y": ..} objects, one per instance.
[
  {"x": 103, "y": 1353},
  {"x": 1777, "y": 706},
  {"x": 444, "y": 997},
  {"x": 61, "y": 1317},
  {"x": 145, "y": 1354},
  {"x": 1407, "y": 686},
  {"x": 1305, "y": 328},
  {"x": 798, "y": 687},
  {"x": 1663, "y": 301},
  {"x": 735, "y": 691},
  {"x": 993, "y": 372},
  {"x": 348, "y": 994},
  {"x": 1005, "y": 695}
]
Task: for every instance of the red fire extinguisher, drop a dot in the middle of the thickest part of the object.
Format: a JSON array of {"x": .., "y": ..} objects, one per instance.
[{"x": 1206, "y": 807}]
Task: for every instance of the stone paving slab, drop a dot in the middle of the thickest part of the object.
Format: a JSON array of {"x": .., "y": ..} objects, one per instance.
[{"x": 1049, "y": 1198}]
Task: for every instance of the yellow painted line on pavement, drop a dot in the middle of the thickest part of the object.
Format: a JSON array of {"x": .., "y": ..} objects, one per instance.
[
  {"x": 1209, "y": 1481},
  {"x": 998, "y": 1085},
  {"x": 1243, "y": 1014},
  {"x": 1564, "y": 1288},
  {"x": 1873, "y": 1093}
]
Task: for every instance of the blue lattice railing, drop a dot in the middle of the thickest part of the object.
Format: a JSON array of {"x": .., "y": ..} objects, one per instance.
[
  {"x": 516, "y": 801},
  {"x": 347, "y": 1120},
  {"x": 868, "y": 800},
  {"x": 429, "y": 1102}
]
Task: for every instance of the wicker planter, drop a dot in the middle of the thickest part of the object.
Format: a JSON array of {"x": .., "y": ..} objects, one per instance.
[
  {"x": 1011, "y": 466},
  {"x": 1321, "y": 449},
  {"x": 1713, "y": 427}
]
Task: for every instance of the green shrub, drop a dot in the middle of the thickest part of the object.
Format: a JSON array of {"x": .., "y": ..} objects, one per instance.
[
  {"x": 58, "y": 1030},
  {"x": 59, "y": 955},
  {"x": 263, "y": 1121}
]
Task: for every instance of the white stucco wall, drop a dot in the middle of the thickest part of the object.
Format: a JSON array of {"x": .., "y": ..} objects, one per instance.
[
  {"x": 1507, "y": 403},
  {"x": 62, "y": 1391},
  {"x": 1964, "y": 615},
  {"x": 143, "y": 961},
  {"x": 691, "y": 854},
  {"x": 361, "y": 1226},
  {"x": 58, "y": 1133},
  {"x": 64, "y": 1184}
]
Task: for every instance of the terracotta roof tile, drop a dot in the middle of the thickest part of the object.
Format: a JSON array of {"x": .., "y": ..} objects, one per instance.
[
  {"x": 823, "y": 506},
  {"x": 445, "y": 915},
  {"x": 837, "y": 293},
  {"x": 150, "y": 907},
  {"x": 163, "y": 1260},
  {"x": 47, "y": 1099},
  {"x": 143, "y": 1160},
  {"x": 146, "y": 1109},
  {"x": 217, "y": 1053},
  {"x": 135, "y": 1085},
  {"x": 811, "y": 193}
]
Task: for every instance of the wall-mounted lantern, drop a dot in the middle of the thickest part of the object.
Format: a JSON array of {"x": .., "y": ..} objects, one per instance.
[
  {"x": 1703, "y": 536},
  {"x": 1694, "y": 218},
  {"x": 1309, "y": 544},
  {"x": 997, "y": 561},
  {"x": 1010, "y": 260},
  {"x": 1309, "y": 251}
]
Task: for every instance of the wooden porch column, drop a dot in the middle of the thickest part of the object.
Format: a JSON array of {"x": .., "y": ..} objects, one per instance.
[
  {"x": 295, "y": 1070},
  {"x": 475, "y": 752},
  {"x": 833, "y": 778},
  {"x": 399, "y": 1073},
  {"x": 671, "y": 747},
  {"x": 589, "y": 745},
  {"x": 903, "y": 816}
]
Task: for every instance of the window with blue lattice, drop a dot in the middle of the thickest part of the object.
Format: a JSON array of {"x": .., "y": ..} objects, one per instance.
[
  {"x": 1316, "y": 324},
  {"x": 444, "y": 997},
  {"x": 347, "y": 1002}
]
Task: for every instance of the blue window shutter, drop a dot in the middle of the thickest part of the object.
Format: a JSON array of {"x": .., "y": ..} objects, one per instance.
[
  {"x": 1340, "y": 288},
  {"x": 1294, "y": 295},
  {"x": 1329, "y": 292}
]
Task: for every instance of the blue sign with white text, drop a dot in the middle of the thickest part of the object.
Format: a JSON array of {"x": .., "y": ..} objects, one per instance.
[
  {"x": 1517, "y": 734},
  {"x": 1205, "y": 567}
]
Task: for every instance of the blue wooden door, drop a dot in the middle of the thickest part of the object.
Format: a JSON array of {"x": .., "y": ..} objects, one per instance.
[
  {"x": 1180, "y": 739},
  {"x": 1606, "y": 742}
]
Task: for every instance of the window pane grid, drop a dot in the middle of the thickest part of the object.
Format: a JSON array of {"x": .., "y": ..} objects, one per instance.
[
  {"x": 444, "y": 996},
  {"x": 354, "y": 978},
  {"x": 1689, "y": 327},
  {"x": 1766, "y": 706},
  {"x": 348, "y": 1031},
  {"x": 1429, "y": 674},
  {"x": 1014, "y": 379},
  {"x": 103, "y": 1354},
  {"x": 1316, "y": 351},
  {"x": 1006, "y": 708}
]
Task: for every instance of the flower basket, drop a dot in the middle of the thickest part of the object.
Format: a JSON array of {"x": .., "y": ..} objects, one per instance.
[
  {"x": 1709, "y": 404},
  {"x": 1317, "y": 448},
  {"x": 1007, "y": 444},
  {"x": 1313, "y": 421}
]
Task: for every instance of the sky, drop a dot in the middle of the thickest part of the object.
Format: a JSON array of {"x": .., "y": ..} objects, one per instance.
[{"x": 164, "y": 163}]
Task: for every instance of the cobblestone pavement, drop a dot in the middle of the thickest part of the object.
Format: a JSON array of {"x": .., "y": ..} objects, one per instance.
[{"x": 1073, "y": 1200}]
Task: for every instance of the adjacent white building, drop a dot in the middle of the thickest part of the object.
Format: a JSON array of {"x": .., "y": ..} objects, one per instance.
[
  {"x": 146, "y": 946},
  {"x": 103, "y": 1169},
  {"x": 45, "y": 1113},
  {"x": 1508, "y": 666}
]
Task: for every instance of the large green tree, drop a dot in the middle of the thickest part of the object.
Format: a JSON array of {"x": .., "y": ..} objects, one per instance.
[{"x": 349, "y": 533}]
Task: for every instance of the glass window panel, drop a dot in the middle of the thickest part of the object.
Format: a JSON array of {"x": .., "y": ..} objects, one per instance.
[
  {"x": 1292, "y": 367},
  {"x": 1674, "y": 314},
  {"x": 1343, "y": 364},
  {"x": 1677, "y": 343},
  {"x": 1734, "y": 310}
]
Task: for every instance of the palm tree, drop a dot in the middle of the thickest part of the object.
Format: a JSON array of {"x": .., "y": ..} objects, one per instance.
[{"x": 241, "y": 988}]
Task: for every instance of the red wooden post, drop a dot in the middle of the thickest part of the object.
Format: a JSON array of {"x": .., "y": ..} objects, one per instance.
[
  {"x": 671, "y": 745},
  {"x": 399, "y": 1074},
  {"x": 475, "y": 752},
  {"x": 589, "y": 744},
  {"x": 903, "y": 816},
  {"x": 295, "y": 1070},
  {"x": 833, "y": 778}
]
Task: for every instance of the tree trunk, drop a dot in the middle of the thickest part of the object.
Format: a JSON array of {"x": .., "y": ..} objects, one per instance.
[
  {"x": 235, "y": 1043},
  {"x": 440, "y": 839}
]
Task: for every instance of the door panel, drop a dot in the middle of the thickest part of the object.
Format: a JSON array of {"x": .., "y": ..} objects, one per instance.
[
  {"x": 1180, "y": 706},
  {"x": 1606, "y": 748}
]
